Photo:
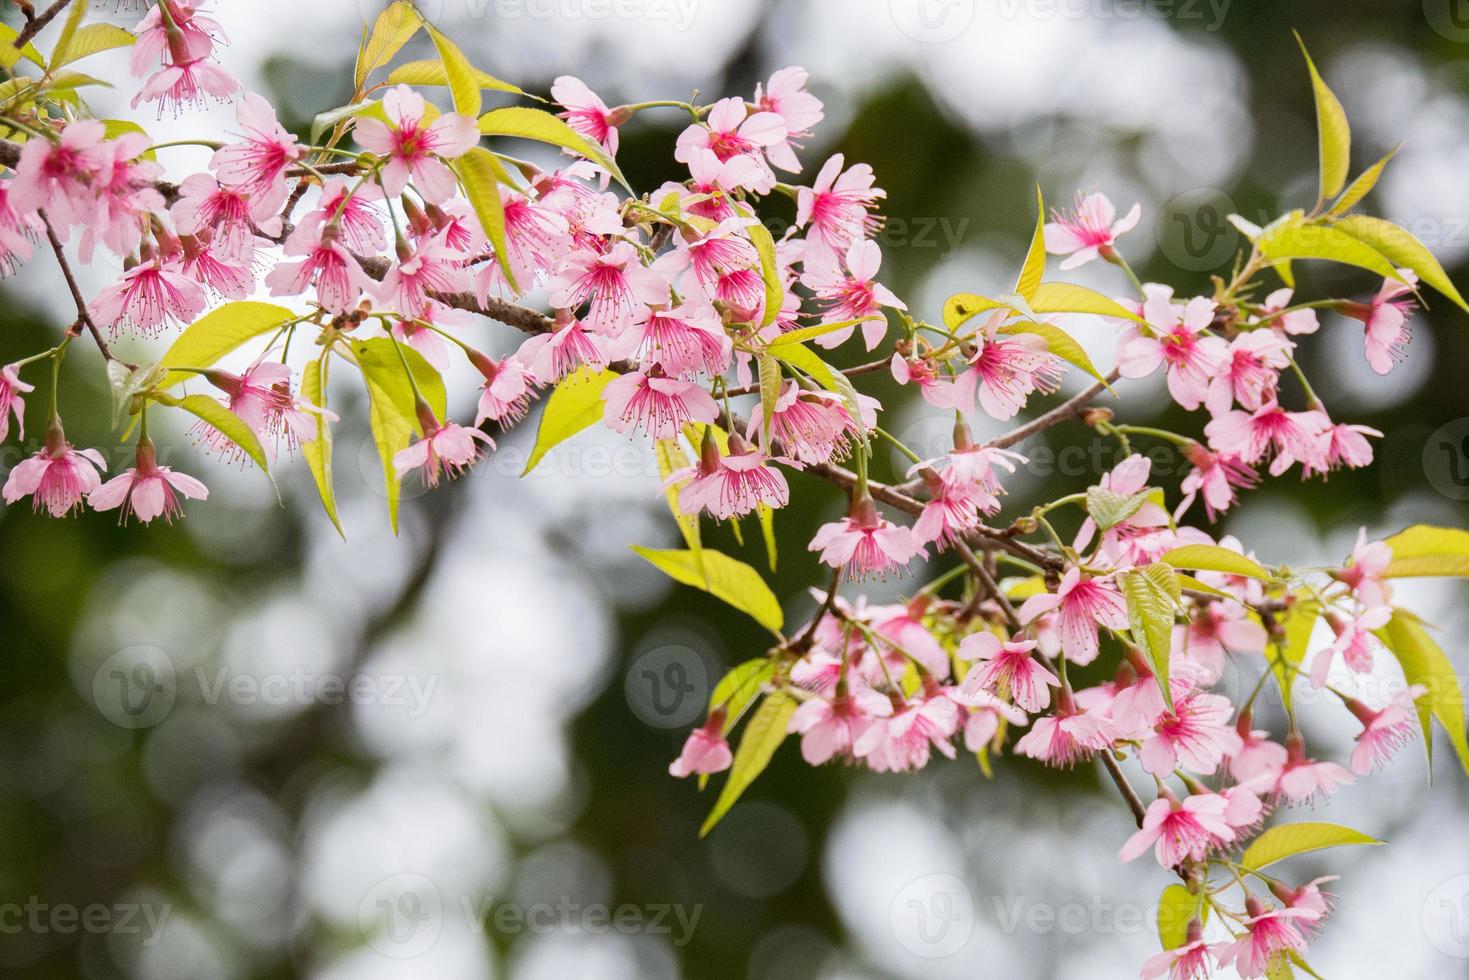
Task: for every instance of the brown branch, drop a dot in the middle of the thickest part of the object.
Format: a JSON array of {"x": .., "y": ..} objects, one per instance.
[
  {"x": 1123, "y": 786},
  {"x": 84, "y": 316},
  {"x": 37, "y": 23},
  {"x": 988, "y": 584},
  {"x": 850, "y": 372},
  {"x": 1069, "y": 409}
]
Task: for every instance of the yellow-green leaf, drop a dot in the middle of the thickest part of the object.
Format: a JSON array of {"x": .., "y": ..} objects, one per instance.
[
  {"x": 1402, "y": 249},
  {"x": 723, "y": 577},
  {"x": 762, "y": 736},
  {"x": 769, "y": 392},
  {"x": 1177, "y": 907},
  {"x": 803, "y": 334},
  {"x": 1035, "y": 259},
  {"x": 1298, "y": 622},
  {"x": 480, "y": 173},
  {"x": 1327, "y": 242},
  {"x": 539, "y": 125},
  {"x": 393, "y": 29},
  {"x": 9, "y": 56},
  {"x": 575, "y": 404},
  {"x": 1362, "y": 186},
  {"x": 68, "y": 31},
  {"x": 230, "y": 425},
  {"x": 393, "y": 411},
  {"x": 769, "y": 271},
  {"x": 766, "y": 515},
  {"x": 1150, "y": 608},
  {"x": 1060, "y": 343},
  {"x": 739, "y": 687},
  {"x": 960, "y": 308},
  {"x": 318, "y": 452},
  {"x": 432, "y": 72},
  {"x": 1424, "y": 662},
  {"x": 214, "y": 335},
  {"x": 1334, "y": 136},
  {"x": 1288, "y": 840},
  {"x": 1063, "y": 297},
  {"x": 463, "y": 83},
  {"x": 1211, "y": 558},
  {"x": 1424, "y": 549},
  {"x": 90, "y": 40},
  {"x": 671, "y": 459}
]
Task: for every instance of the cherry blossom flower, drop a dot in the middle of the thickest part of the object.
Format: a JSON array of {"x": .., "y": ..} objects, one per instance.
[
  {"x": 445, "y": 449},
  {"x": 865, "y": 543},
  {"x": 11, "y": 388},
  {"x": 506, "y": 392},
  {"x": 586, "y": 113},
  {"x": 150, "y": 297},
  {"x": 829, "y": 728},
  {"x": 325, "y": 264},
  {"x": 952, "y": 509},
  {"x": 1273, "y": 314},
  {"x": 1249, "y": 373},
  {"x": 1304, "y": 780},
  {"x": 1355, "y": 643},
  {"x": 17, "y": 231},
  {"x": 615, "y": 283},
  {"x": 853, "y": 294},
  {"x": 903, "y": 626},
  {"x": 785, "y": 95},
  {"x": 1178, "y": 831},
  {"x": 262, "y": 398},
  {"x": 1196, "y": 733},
  {"x": 1194, "y": 960},
  {"x": 684, "y": 341},
  {"x": 1089, "y": 230},
  {"x": 1178, "y": 338},
  {"x": 59, "y": 175},
  {"x": 1214, "y": 629},
  {"x": 351, "y": 208},
  {"x": 415, "y": 151},
  {"x": 205, "y": 204},
  {"x": 1269, "y": 433},
  {"x": 660, "y": 406},
  {"x": 705, "y": 752},
  {"x": 1342, "y": 445},
  {"x": 1366, "y": 571},
  {"x": 1258, "y": 758},
  {"x": 147, "y": 490},
  {"x": 1007, "y": 670},
  {"x": 422, "y": 332},
  {"x": 904, "y": 741},
  {"x": 59, "y": 477},
  {"x": 1082, "y": 605},
  {"x": 731, "y": 130},
  {"x": 553, "y": 356},
  {"x": 1067, "y": 736},
  {"x": 836, "y": 209},
  {"x": 1386, "y": 321},
  {"x": 813, "y": 427},
  {"x": 193, "y": 37},
  {"x": 257, "y": 166},
  {"x": 729, "y": 484},
  {"x": 535, "y": 239},
  {"x": 432, "y": 267},
  {"x": 1385, "y": 730},
  {"x": 1271, "y": 931},
  {"x": 1215, "y": 477},
  {"x": 986, "y": 713},
  {"x": 186, "y": 83}
]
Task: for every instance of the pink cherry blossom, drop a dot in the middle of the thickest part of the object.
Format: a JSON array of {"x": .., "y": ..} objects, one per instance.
[
  {"x": 150, "y": 297},
  {"x": 785, "y": 95},
  {"x": 351, "y": 208},
  {"x": 256, "y": 167},
  {"x": 829, "y": 728},
  {"x": 904, "y": 741},
  {"x": 415, "y": 151},
  {"x": 445, "y": 449},
  {"x": 325, "y": 263},
  {"x": 186, "y": 83},
  {"x": 1007, "y": 670},
  {"x": 1270, "y": 932},
  {"x": 731, "y": 130},
  {"x": 1194, "y": 960},
  {"x": 1385, "y": 730},
  {"x": 1089, "y": 230},
  {"x": 536, "y": 238},
  {"x": 59, "y": 477},
  {"x": 1215, "y": 477},
  {"x": 614, "y": 283},
  {"x": 813, "y": 427},
  {"x": 1177, "y": 336},
  {"x": 1250, "y": 371},
  {"x": 1366, "y": 571},
  {"x": 705, "y": 752},
  {"x": 660, "y": 406},
  {"x": 1355, "y": 643},
  {"x": 1066, "y": 737},
  {"x": 11, "y": 388},
  {"x": 1386, "y": 321},
  {"x": 58, "y": 176},
  {"x": 586, "y": 112},
  {"x": 1082, "y": 605},
  {"x": 432, "y": 267},
  {"x": 1004, "y": 371},
  {"x": 853, "y": 294},
  {"x": 836, "y": 209},
  {"x": 1304, "y": 780},
  {"x": 866, "y": 544},
  {"x": 1272, "y": 433},
  {"x": 1293, "y": 323},
  {"x": 206, "y": 205},
  {"x": 147, "y": 490},
  {"x": 1196, "y": 733},
  {"x": 1179, "y": 831},
  {"x": 730, "y": 484}
]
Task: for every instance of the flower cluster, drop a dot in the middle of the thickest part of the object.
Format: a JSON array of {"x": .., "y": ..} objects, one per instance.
[{"x": 675, "y": 316}]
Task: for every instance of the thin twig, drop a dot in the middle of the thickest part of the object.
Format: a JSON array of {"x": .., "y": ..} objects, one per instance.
[
  {"x": 802, "y": 643},
  {"x": 1124, "y": 787},
  {"x": 83, "y": 315},
  {"x": 850, "y": 372},
  {"x": 38, "y": 23},
  {"x": 1069, "y": 409}
]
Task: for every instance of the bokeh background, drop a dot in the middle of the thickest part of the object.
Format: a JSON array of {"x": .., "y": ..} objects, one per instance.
[{"x": 263, "y": 751}]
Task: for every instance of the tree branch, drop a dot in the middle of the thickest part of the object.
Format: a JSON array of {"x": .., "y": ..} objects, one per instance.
[
  {"x": 83, "y": 315},
  {"x": 38, "y": 23},
  {"x": 1069, "y": 409}
]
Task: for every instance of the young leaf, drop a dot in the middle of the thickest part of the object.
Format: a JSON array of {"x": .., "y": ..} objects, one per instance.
[
  {"x": 1063, "y": 297},
  {"x": 1210, "y": 558},
  {"x": 762, "y": 736},
  {"x": 318, "y": 452},
  {"x": 479, "y": 171},
  {"x": 68, "y": 31},
  {"x": 575, "y": 404},
  {"x": 769, "y": 393},
  {"x": 804, "y": 334},
  {"x": 230, "y": 425},
  {"x": 1150, "y": 606},
  {"x": 90, "y": 40},
  {"x": 1298, "y": 623},
  {"x": 392, "y": 410},
  {"x": 739, "y": 687},
  {"x": 775, "y": 292},
  {"x": 9, "y": 56},
  {"x": 539, "y": 125},
  {"x": 463, "y": 84},
  {"x": 1362, "y": 186},
  {"x": 1427, "y": 550},
  {"x": 671, "y": 459},
  {"x": 1288, "y": 840},
  {"x": 723, "y": 577},
  {"x": 216, "y": 334},
  {"x": 393, "y": 29},
  {"x": 1402, "y": 249},
  {"x": 1425, "y": 663},
  {"x": 766, "y": 515},
  {"x": 1334, "y": 136},
  {"x": 1177, "y": 907},
  {"x": 1328, "y": 242},
  {"x": 1035, "y": 259},
  {"x": 960, "y": 308},
  {"x": 1108, "y": 508},
  {"x": 326, "y": 120},
  {"x": 434, "y": 73}
]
